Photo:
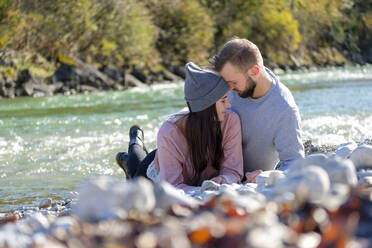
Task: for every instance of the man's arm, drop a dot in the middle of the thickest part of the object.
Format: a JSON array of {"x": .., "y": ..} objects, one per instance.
[{"x": 288, "y": 138}]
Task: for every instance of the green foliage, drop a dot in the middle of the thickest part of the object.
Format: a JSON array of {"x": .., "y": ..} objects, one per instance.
[
  {"x": 112, "y": 31},
  {"x": 231, "y": 18},
  {"x": 185, "y": 30},
  {"x": 275, "y": 30},
  {"x": 157, "y": 33}
]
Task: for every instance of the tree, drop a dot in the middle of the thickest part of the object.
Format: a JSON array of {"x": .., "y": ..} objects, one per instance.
[{"x": 185, "y": 30}]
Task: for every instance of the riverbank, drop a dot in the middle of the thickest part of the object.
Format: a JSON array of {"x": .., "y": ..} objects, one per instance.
[
  {"x": 320, "y": 201},
  {"x": 75, "y": 76}
]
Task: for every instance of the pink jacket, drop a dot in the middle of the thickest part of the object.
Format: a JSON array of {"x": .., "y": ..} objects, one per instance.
[{"x": 175, "y": 165}]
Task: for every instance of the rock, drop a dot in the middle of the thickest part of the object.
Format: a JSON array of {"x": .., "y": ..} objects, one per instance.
[
  {"x": 107, "y": 198},
  {"x": 38, "y": 222},
  {"x": 118, "y": 75},
  {"x": 45, "y": 203},
  {"x": 170, "y": 76},
  {"x": 340, "y": 171},
  {"x": 23, "y": 77},
  {"x": 65, "y": 223},
  {"x": 140, "y": 75},
  {"x": 262, "y": 178},
  {"x": 346, "y": 149},
  {"x": 274, "y": 175},
  {"x": 209, "y": 185},
  {"x": 179, "y": 71},
  {"x": 312, "y": 180},
  {"x": 313, "y": 159},
  {"x": 362, "y": 156},
  {"x": 365, "y": 180},
  {"x": 166, "y": 195},
  {"x": 86, "y": 88},
  {"x": 65, "y": 73},
  {"x": 131, "y": 80},
  {"x": 338, "y": 195}
]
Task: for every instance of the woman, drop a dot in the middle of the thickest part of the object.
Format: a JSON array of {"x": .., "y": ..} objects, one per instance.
[{"x": 201, "y": 144}]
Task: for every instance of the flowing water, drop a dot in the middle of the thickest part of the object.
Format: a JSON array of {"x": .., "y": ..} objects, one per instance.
[{"x": 50, "y": 145}]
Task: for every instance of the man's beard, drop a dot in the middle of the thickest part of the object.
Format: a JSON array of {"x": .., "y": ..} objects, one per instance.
[{"x": 248, "y": 92}]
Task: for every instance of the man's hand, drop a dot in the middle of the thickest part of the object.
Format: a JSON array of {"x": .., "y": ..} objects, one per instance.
[{"x": 251, "y": 176}]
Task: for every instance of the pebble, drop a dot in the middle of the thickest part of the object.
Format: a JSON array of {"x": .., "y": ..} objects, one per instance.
[
  {"x": 345, "y": 150},
  {"x": 362, "y": 156},
  {"x": 313, "y": 181},
  {"x": 46, "y": 203},
  {"x": 105, "y": 198},
  {"x": 340, "y": 171}
]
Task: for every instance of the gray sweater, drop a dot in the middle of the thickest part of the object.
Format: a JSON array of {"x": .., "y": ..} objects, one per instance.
[{"x": 271, "y": 128}]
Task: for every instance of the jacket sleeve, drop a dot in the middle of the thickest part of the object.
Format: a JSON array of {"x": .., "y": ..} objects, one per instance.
[
  {"x": 288, "y": 138},
  {"x": 232, "y": 167},
  {"x": 170, "y": 162}
]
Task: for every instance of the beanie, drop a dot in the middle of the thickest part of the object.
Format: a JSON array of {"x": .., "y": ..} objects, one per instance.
[{"x": 202, "y": 88}]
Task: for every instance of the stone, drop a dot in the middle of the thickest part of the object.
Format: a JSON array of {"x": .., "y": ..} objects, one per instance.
[
  {"x": 107, "y": 198},
  {"x": 45, "y": 203},
  {"x": 312, "y": 180},
  {"x": 346, "y": 149},
  {"x": 362, "y": 156},
  {"x": 37, "y": 222},
  {"x": 340, "y": 171},
  {"x": 167, "y": 195},
  {"x": 263, "y": 177},
  {"x": 313, "y": 159},
  {"x": 209, "y": 185},
  {"x": 273, "y": 176},
  {"x": 365, "y": 180},
  {"x": 131, "y": 80}
]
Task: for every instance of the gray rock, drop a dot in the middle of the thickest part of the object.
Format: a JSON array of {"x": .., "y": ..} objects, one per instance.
[
  {"x": 45, "y": 203},
  {"x": 38, "y": 222},
  {"x": 362, "y": 156},
  {"x": 312, "y": 180},
  {"x": 313, "y": 159},
  {"x": 340, "y": 171},
  {"x": 365, "y": 180},
  {"x": 106, "y": 198},
  {"x": 167, "y": 195},
  {"x": 346, "y": 149},
  {"x": 263, "y": 178},
  {"x": 209, "y": 185}
]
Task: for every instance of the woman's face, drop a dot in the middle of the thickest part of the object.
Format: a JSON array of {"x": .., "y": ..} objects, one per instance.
[{"x": 221, "y": 105}]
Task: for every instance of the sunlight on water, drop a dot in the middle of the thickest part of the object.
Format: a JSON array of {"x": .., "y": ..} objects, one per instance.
[{"x": 49, "y": 145}]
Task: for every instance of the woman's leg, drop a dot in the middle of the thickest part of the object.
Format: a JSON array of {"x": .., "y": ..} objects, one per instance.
[
  {"x": 142, "y": 167},
  {"x": 136, "y": 154},
  {"x": 129, "y": 161}
]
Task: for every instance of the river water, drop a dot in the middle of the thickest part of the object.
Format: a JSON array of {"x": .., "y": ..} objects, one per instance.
[{"x": 50, "y": 145}]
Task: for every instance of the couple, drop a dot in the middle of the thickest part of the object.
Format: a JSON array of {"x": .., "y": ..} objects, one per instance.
[{"x": 226, "y": 136}]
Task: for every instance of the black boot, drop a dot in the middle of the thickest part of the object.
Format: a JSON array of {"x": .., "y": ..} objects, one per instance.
[
  {"x": 136, "y": 136},
  {"x": 121, "y": 160}
]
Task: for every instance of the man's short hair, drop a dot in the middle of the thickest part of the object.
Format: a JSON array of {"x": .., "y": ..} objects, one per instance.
[{"x": 239, "y": 52}]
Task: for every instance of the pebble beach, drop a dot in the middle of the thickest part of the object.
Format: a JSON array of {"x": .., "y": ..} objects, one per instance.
[{"x": 324, "y": 200}]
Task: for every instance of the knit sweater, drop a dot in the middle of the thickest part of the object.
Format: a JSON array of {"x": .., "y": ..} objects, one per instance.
[
  {"x": 173, "y": 161},
  {"x": 271, "y": 127}
]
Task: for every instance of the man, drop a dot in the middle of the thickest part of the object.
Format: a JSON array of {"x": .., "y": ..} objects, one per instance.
[{"x": 270, "y": 119}]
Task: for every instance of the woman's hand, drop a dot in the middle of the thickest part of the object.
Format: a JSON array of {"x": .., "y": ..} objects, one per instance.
[
  {"x": 251, "y": 176},
  {"x": 219, "y": 180}
]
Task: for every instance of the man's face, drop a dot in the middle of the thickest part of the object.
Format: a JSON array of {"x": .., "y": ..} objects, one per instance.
[{"x": 238, "y": 81}]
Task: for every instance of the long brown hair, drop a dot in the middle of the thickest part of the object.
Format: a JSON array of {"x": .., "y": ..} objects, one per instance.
[{"x": 204, "y": 138}]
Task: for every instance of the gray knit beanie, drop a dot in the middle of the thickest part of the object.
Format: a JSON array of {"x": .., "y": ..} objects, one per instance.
[{"x": 202, "y": 88}]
